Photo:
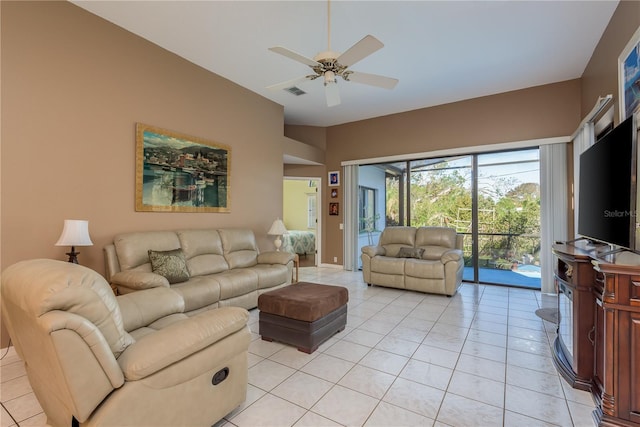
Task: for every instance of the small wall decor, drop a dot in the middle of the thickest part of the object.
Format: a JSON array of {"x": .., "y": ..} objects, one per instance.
[
  {"x": 334, "y": 193},
  {"x": 629, "y": 77},
  {"x": 334, "y": 208},
  {"x": 180, "y": 173},
  {"x": 334, "y": 178}
]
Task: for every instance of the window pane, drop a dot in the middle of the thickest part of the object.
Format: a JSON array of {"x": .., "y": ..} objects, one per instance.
[
  {"x": 509, "y": 221},
  {"x": 440, "y": 193}
]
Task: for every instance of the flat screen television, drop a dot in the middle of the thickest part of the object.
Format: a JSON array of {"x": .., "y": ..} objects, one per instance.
[{"x": 608, "y": 190}]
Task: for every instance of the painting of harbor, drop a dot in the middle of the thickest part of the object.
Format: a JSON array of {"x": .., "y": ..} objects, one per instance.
[{"x": 180, "y": 173}]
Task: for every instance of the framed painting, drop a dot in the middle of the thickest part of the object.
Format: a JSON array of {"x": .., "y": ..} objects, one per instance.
[
  {"x": 334, "y": 208},
  {"x": 180, "y": 173},
  {"x": 334, "y": 178},
  {"x": 334, "y": 193},
  {"x": 629, "y": 77}
]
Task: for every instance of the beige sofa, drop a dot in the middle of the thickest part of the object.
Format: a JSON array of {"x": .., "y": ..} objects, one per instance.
[
  {"x": 224, "y": 266},
  {"x": 425, "y": 259},
  {"x": 94, "y": 359}
]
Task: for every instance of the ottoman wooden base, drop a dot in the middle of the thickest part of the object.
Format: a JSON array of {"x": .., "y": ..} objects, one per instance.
[{"x": 306, "y": 336}]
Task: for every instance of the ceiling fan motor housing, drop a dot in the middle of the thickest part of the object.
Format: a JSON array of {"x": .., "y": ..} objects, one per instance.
[{"x": 328, "y": 63}]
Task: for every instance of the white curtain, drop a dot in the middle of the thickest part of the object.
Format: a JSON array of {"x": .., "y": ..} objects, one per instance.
[
  {"x": 553, "y": 207},
  {"x": 350, "y": 201}
]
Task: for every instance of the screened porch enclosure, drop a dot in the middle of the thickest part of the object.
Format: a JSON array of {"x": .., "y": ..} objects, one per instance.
[{"x": 491, "y": 198}]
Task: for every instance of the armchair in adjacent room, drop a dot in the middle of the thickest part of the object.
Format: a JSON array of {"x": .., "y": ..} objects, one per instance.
[{"x": 99, "y": 360}]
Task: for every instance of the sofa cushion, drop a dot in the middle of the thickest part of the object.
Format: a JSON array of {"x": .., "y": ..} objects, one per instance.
[
  {"x": 394, "y": 238},
  {"x": 424, "y": 269},
  {"x": 410, "y": 253},
  {"x": 170, "y": 264},
  {"x": 240, "y": 248},
  {"x": 387, "y": 265},
  {"x": 434, "y": 252},
  {"x": 237, "y": 282},
  {"x": 198, "y": 292},
  {"x": 132, "y": 248},
  {"x": 436, "y": 236},
  {"x": 270, "y": 275},
  {"x": 203, "y": 250}
]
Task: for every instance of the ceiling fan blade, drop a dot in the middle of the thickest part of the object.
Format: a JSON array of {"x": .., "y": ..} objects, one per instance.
[
  {"x": 288, "y": 83},
  {"x": 360, "y": 50},
  {"x": 373, "y": 80},
  {"x": 294, "y": 55},
  {"x": 332, "y": 94}
]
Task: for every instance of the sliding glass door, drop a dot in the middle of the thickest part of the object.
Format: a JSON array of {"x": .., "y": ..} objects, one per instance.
[
  {"x": 493, "y": 199},
  {"x": 509, "y": 218}
]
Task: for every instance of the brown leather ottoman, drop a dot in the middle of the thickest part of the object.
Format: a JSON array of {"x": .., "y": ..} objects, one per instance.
[{"x": 303, "y": 315}]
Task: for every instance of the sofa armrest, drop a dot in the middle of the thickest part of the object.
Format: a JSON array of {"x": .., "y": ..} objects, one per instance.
[
  {"x": 275, "y": 257},
  {"x": 451, "y": 255},
  {"x": 144, "y": 307},
  {"x": 373, "y": 250},
  {"x": 169, "y": 345},
  {"x": 137, "y": 280}
]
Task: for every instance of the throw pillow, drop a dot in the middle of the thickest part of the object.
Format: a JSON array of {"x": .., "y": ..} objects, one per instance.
[
  {"x": 410, "y": 253},
  {"x": 170, "y": 264}
]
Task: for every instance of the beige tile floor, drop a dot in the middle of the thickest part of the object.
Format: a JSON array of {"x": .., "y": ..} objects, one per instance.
[{"x": 481, "y": 358}]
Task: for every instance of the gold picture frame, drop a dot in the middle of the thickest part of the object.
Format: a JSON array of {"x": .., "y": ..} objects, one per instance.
[{"x": 176, "y": 172}]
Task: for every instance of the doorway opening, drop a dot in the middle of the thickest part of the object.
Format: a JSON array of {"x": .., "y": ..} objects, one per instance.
[{"x": 301, "y": 216}]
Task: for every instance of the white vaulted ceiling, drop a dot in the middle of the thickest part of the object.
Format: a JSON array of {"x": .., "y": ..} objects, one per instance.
[{"x": 441, "y": 51}]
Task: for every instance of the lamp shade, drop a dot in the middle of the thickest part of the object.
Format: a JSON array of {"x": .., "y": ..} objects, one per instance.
[
  {"x": 75, "y": 233},
  {"x": 277, "y": 228}
]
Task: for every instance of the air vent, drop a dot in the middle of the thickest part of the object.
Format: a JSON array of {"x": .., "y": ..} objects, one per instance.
[{"x": 295, "y": 90}]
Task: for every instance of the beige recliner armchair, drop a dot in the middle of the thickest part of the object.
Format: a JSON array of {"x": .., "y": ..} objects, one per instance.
[{"x": 135, "y": 360}]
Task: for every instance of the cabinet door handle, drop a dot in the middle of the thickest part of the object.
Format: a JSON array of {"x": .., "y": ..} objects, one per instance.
[{"x": 590, "y": 336}]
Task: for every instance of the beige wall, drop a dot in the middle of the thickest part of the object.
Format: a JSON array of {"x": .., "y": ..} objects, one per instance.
[
  {"x": 600, "y": 77},
  {"x": 312, "y": 135},
  {"x": 73, "y": 87}
]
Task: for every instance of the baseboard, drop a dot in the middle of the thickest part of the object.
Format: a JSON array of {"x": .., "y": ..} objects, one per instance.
[{"x": 336, "y": 266}]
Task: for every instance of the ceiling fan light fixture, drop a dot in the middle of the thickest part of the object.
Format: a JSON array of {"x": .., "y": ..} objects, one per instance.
[{"x": 329, "y": 77}]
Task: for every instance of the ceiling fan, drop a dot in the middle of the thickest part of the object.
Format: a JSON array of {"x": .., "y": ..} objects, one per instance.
[{"x": 329, "y": 65}]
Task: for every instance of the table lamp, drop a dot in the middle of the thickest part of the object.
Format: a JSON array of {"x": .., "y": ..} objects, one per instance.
[
  {"x": 75, "y": 233},
  {"x": 277, "y": 229}
]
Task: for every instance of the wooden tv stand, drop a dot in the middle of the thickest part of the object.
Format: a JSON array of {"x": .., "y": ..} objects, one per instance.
[{"x": 597, "y": 346}]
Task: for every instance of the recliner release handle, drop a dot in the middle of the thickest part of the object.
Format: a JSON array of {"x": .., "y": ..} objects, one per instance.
[{"x": 220, "y": 376}]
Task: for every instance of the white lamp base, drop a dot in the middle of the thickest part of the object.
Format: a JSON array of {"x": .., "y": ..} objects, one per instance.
[{"x": 278, "y": 243}]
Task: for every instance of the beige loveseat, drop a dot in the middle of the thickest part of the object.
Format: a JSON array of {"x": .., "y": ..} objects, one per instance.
[
  {"x": 223, "y": 266},
  {"x": 425, "y": 259},
  {"x": 94, "y": 359}
]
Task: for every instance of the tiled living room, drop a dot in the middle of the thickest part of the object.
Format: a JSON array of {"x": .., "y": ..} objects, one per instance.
[
  {"x": 77, "y": 83},
  {"x": 480, "y": 358}
]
